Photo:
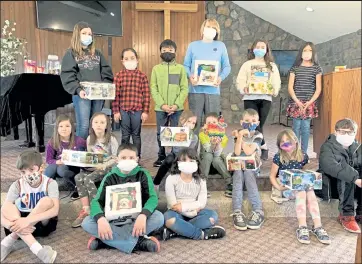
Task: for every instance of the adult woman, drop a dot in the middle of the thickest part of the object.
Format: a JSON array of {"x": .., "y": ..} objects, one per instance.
[{"x": 83, "y": 62}]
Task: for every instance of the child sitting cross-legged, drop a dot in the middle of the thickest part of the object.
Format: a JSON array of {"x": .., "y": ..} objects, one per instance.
[
  {"x": 128, "y": 237},
  {"x": 290, "y": 156},
  {"x": 30, "y": 209},
  {"x": 248, "y": 143}
]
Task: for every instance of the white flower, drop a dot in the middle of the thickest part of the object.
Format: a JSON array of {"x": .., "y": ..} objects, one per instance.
[
  {"x": 14, "y": 24},
  {"x": 7, "y": 22},
  {"x": 13, "y": 29}
]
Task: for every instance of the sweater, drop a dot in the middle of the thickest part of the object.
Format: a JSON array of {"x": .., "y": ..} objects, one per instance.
[
  {"x": 115, "y": 177},
  {"x": 245, "y": 72},
  {"x": 90, "y": 68},
  {"x": 192, "y": 195},
  {"x": 52, "y": 155},
  {"x": 200, "y": 50},
  {"x": 169, "y": 85}
]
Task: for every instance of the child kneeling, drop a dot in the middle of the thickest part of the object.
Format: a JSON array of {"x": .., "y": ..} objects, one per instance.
[
  {"x": 31, "y": 208},
  {"x": 186, "y": 196},
  {"x": 131, "y": 236}
]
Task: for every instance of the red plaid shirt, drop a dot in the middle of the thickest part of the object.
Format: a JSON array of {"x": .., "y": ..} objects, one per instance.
[{"x": 132, "y": 92}]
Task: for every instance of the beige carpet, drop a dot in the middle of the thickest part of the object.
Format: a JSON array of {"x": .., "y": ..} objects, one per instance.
[{"x": 274, "y": 243}]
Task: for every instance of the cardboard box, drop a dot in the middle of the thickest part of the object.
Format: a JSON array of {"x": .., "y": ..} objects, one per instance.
[
  {"x": 207, "y": 72},
  {"x": 83, "y": 158},
  {"x": 175, "y": 137},
  {"x": 99, "y": 90},
  {"x": 300, "y": 179},
  {"x": 241, "y": 163}
]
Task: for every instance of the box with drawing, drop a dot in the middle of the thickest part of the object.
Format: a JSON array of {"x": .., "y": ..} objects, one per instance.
[
  {"x": 99, "y": 90},
  {"x": 260, "y": 81},
  {"x": 82, "y": 158},
  {"x": 301, "y": 179},
  {"x": 241, "y": 162},
  {"x": 206, "y": 71},
  {"x": 175, "y": 136},
  {"x": 123, "y": 202}
]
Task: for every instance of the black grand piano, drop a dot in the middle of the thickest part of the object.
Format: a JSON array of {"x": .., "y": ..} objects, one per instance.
[{"x": 28, "y": 95}]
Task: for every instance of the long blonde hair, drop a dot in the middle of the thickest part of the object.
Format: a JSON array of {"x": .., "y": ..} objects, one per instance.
[
  {"x": 56, "y": 141},
  {"x": 75, "y": 43},
  {"x": 212, "y": 23},
  {"x": 297, "y": 154},
  {"x": 107, "y": 133}
]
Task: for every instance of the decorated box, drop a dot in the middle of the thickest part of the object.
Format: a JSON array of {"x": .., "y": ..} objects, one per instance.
[
  {"x": 99, "y": 90},
  {"x": 83, "y": 158},
  {"x": 260, "y": 81},
  {"x": 216, "y": 130},
  {"x": 301, "y": 179},
  {"x": 207, "y": 72},
  {"x": 234, "y": 163},
  {"x": 123, "y": 202},
  {"x": 175, "y": 136}
]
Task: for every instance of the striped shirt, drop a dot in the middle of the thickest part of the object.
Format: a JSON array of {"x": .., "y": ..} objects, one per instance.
[
  {"x": 192, "y": 195},
  {"x": 305, "y": 81}
]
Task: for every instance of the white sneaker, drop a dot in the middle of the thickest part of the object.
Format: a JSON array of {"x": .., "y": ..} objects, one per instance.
[
  {"x": 5, "y": 251},
  {"x": 47, "y": 254}
]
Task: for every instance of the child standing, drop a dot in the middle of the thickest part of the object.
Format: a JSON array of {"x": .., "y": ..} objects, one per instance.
[
  {"x": 186, "y": 196},
  {"x": 260, "y": 61},
  {"x": 131, "y": 236},
  {"x": 290, "y": 156},
  {"x": 187, "y": 119},
  {"x": 30, "y": 209},
  {"x": 169, "y": 89},
  {"x": 132, "y": 102},
  {"x": 100, "y": 140},
  {"x": 305, "y": 86},
  {"x": 248, "y": 142},
  {"x": 63, "y": 138},
  {"x": 211, "y": 152}
]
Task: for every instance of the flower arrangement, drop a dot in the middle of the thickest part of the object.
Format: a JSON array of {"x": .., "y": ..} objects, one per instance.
[{"x": 11, "y": 48}]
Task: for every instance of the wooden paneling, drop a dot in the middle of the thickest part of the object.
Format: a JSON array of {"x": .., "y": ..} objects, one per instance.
[{"x": 341, "y": 98}]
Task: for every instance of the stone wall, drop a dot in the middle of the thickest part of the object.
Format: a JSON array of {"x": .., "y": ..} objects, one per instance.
[
  {"x": 239, "y": 29},
  {"x": 344, "y": 50}
]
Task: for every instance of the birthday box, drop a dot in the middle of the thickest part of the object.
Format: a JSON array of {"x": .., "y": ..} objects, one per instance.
[
  {"x": 83, "y": 158},
  {"x": 301, "y": 179},
  {"x": 123, "y": 202},
  {"x": 99, "y": 90},
  {"x": 175, "y": 136},
  {"x": 234, "y": 163}
]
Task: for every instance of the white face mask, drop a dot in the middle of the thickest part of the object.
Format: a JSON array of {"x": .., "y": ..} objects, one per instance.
[
  {"x": 127, "y": 165},
  {"x": 130, "y": 65},
  {"x": 345, "y": 140},
  {"x": 187, "y": 167},
  {"x": 209, "y": 33},
  {"x": 33, "y": 179}
]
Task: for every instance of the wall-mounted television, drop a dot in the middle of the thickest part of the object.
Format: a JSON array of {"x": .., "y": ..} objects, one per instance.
[{"x": 105, "y": 17}]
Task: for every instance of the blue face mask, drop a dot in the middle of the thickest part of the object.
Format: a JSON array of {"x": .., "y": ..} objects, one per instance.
[
  {"x": 86, "y": 40},
  {"x": 249, "y": 126},
  {"x": 259, "y": 52}
]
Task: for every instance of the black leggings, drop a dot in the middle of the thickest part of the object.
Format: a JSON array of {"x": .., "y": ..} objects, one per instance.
[
  {"x": 164, "y": 168},
  {"x": 262, "y": 107}
]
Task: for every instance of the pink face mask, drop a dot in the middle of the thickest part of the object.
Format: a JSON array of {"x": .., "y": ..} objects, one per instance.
[{"x": 287, "y": 146}]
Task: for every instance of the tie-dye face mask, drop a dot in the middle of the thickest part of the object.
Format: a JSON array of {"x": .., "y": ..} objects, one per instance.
[
  {"x": 249, "y": 126},
  {"x": 33, "y": 178},
  {"x": 287, "y": 146}
]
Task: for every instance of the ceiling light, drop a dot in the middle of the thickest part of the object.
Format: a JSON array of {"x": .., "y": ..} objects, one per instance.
[
  {"x": 309, "y": 9},
  {"x": 112, "y": 14}
]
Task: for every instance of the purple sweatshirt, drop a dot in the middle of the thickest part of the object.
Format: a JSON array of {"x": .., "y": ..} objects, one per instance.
[{"x": 54, "y": 154}]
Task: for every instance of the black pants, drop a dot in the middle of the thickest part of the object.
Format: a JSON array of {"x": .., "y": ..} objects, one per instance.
[
  {"x": 346, "y": 197},
  {"x": 262, "y": 107},
  {"x": 164, "y": 168},
  {"x": 131, "y": 126}
]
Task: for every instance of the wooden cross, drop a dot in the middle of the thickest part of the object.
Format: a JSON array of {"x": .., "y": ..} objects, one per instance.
[{"x": 167, "y": 8}]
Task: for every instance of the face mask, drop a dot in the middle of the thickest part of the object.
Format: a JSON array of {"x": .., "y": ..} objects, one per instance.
[
  {"x": 33, "y": 179},
  {"x": 187, "y": 167},
  {"x": 345, "y": 140},
  {"x": 259, "y": 52},
  {"x": 127, "y": 165},
  {"x": 167, "y": 56},
  {"x": 287, "y": 146},
  {"x": 307, "y": 56},
  {"x": 209, "y": 33},
  {"x": 249, "y": 126},
  {"x": 130, "y": 65},
  {"x": 86, "y": 40}
]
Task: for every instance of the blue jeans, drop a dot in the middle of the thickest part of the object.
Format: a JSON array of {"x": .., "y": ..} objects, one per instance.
[
  {"x": 84, "y": 110},
  {"x": 191, "y": 227},
  {"x": 63, "y": 171},
  {"x": 301, "y": 128},
  {"x": 122, "y": 235},
  {"x": 131, "y": 126},
  {"x": 162, "y": 119}
]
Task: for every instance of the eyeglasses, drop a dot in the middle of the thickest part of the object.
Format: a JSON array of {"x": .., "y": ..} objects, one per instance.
[{"x": 344, "y": 132}]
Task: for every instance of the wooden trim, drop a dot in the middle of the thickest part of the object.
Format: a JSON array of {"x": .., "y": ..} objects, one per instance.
[
  {"x": 166, "y": 6},
  {"x": 346, "y": 70}
]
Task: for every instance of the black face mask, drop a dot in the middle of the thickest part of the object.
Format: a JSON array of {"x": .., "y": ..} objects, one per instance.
[{"x": 167, "y": 56}]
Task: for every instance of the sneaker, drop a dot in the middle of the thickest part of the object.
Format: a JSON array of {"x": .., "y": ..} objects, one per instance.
[
  {"x": 239, "y": 220},
  {"x": 74, "y": 195},
  {"x": 303, "y": 235},
  {"x": 78, "y": 222},
  {"x": 208, "y": 194},
  {"x": 47, "y": 254},
  {"x": 264, "y": 154},
  {"x": 228, "y": 193},
  {"x": 95, "y": 243},
  {"x": 358, "y": 219},
  {"x": 256, "y": 220},
  {"x": 214, "y": 232},
  {"x": 149, "y": 244},
  {"x": 168, "y": 234},
  {"x": 349, "y": 223},
  {"x": 5, "y": 251},
  {"x": 321, "y": 235},
  {"x": 158, "y": 162}
]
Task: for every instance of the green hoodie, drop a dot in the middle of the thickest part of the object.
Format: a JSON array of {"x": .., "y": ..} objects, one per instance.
[
  {"x": 169, "y": 85},
  {"x": 114, "y": 177}
]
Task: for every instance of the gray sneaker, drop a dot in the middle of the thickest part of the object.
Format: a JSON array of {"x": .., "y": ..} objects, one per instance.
[
  {"x": 47, "y": 254},
  {"x": 239, "y": 220},
  {"x": 321, "y": 235},
  {"x": 303, "y": 235},
  {"x": 5, "y": 251},
  {"x": 255, "y": 221}
]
